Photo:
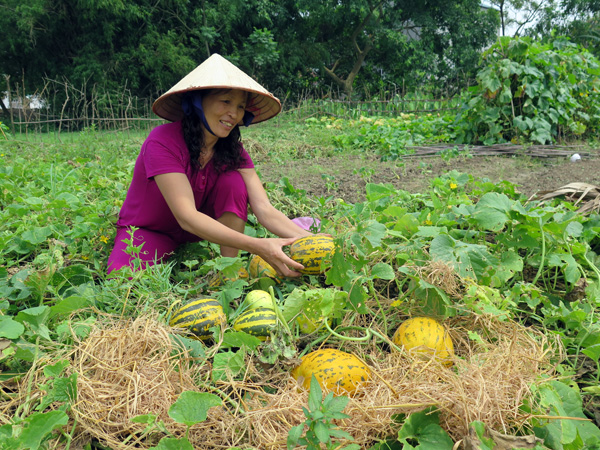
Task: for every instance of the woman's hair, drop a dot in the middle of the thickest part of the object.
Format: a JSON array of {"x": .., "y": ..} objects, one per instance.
[{"x": 227, "y": 155}]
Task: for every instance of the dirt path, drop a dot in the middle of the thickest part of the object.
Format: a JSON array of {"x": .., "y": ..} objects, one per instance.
[{"x": 345, "y": 177}]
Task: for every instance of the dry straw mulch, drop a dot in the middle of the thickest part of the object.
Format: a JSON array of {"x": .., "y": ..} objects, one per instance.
[
  {"x": 584, "y": 195},
  {"x": 129, "y": 368}
]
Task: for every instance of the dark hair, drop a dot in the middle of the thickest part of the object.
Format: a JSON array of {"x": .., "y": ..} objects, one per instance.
[{"x": 228, "y": 150}]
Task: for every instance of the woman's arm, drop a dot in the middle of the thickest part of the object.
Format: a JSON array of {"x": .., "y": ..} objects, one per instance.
[
  {"x": 270, "y": 217},
  {"x": 178, "y": 194}
]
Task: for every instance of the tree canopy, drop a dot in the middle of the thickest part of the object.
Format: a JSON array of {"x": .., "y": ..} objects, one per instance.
[{"x": 289, "y": 45}]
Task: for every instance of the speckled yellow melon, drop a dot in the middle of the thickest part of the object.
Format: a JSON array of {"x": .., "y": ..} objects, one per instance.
[
  {"x": 338, "y": 371},
  {"x": 427, "y": 337}
]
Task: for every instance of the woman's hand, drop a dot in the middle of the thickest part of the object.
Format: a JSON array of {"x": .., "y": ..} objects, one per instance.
[{"x": 271, "y": 250}]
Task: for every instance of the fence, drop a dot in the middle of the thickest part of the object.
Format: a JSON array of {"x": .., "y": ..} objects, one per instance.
[
  {"x": 61, "y": 107},
  {"x": 350, "y": 109}
]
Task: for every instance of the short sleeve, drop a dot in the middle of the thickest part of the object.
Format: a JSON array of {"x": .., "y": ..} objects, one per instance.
[
  {"x": 159, "y": 159},
  {"x": 247, "y": 162}
]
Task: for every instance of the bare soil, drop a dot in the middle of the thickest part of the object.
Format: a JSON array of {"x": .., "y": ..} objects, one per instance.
[{"x": 346, "y": 176}]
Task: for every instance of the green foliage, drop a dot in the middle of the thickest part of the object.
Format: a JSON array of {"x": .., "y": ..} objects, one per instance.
[
  {"x": 386, "y": 137},
  {"x": 424, "y": 429},
  {"x": 562, "y": 401},
  {"x": 519, "y": 260},
  {"x": 138, "y": 47},
  {"x": 4, "y": 130},
  {"x": 529, "y": 92},
  {"x": 319, "y": 428}
]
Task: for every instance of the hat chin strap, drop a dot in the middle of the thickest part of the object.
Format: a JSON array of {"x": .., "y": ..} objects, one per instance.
[{"x": 192, "y": 102}]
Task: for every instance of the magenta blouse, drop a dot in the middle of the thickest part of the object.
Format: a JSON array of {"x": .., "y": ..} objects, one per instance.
[{"x": 164, "y": 151}]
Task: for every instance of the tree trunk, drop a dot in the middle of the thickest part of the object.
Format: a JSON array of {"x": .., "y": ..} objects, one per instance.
[{"x": 347, "y": 83}]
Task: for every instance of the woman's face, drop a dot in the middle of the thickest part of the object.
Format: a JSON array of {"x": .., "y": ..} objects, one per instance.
[{"x": 224, "y": 109}]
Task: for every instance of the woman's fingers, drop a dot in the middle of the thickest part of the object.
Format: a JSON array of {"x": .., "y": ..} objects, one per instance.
[{"x": 282, "y": 263}]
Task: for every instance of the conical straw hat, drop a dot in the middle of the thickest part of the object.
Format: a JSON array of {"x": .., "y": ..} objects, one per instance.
[{"x": 218, "y": 73}]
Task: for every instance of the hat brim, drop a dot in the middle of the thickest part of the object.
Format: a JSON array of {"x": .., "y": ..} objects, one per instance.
[{"x": 218, "y": 73}]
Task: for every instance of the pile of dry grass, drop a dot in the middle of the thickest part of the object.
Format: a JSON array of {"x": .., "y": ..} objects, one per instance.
[
  {"x": 129, "y": 368},
  {"x": 488, "y": 382},
  {"x": 125, "y": 369},
  {"x": 584, "y": 195}
]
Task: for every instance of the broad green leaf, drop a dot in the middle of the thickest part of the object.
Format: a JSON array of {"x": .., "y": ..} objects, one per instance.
[
  {"x": 61, "y": 389},
  {"x": 168, "y": 443},
  {"x": 55, "y": 370},
  {"x": 589, "y": 341},
  {"x": 70, "y": 304},
  {"x": 407, "y": 225},
  {"x": 34, "y": 201},
  {"x": 337, "y": 404},
  {"x": 36, "y": 235},
  {"x": 315, "y": 395},
  {"x": 39, "y": 425},
  {"x": 485, "y": 443},
  {"x": 339, "y": 268},
  {"x": 559, "y": 399},
  {"x": 574, "y": 229},
  {"x": 194, "y": 347},
  {"x": 510, "y": 264},
  {"x": 491, "y": 219},
  {"x": 433, "y": 300},
  {"x": 192, "y": 407},
  {"x": 423, "y": 427},
  {"x": 294, "y": 436},
  {"x": 240, "y": 339},
  {"x": 322, "y": 432},
  {"x": 383, "y": 271},
  {"x": 36, "y": 317},
  {"x": 376, "y": 191},
  {"x": 469, "y": 260},
  {"x": 144, "y": 418},
  {"x": 9, "y": 328},
  {"x": 374, "y": 232},
  {"x": 228, "y": 364}
]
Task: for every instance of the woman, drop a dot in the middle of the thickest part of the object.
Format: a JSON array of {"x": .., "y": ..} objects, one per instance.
[{"x": 193, "y": 179}]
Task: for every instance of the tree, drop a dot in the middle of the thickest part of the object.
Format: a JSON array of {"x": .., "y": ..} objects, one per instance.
[
  {"x": 345, "y": 34},
  {"x": 289, "y": 45},
  {"x": 521, "y": 14}
]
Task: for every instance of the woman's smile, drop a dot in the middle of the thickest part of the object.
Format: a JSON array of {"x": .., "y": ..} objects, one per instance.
[{"x": 224, "y": 109}]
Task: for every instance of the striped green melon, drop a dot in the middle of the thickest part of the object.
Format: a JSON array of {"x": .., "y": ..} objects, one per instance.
[
  {"x": 199, "y": 316},
  {"x": 257, "y": 298},
  {"x": 259, "y": 322},
  {"x": 310, "y": 251}
]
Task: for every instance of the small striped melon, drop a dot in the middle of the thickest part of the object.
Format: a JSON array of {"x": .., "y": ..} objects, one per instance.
[
  {"x": 259, "y": 322},
  {"x": 310, "y": 251},
  {"x": 257, "y": 298},
  {"x": 259, "y": 268},
  {"x": 337, "y": 371},
  {"x": 199, "y": 316},
  {"x": 426, "y": 337}
]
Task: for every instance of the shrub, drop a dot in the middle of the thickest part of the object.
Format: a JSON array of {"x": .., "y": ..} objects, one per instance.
[{"x": 529, "y": 91}]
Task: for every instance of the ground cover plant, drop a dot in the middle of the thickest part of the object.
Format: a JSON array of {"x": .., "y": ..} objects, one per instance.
[{"x": 515, "y": 282}]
